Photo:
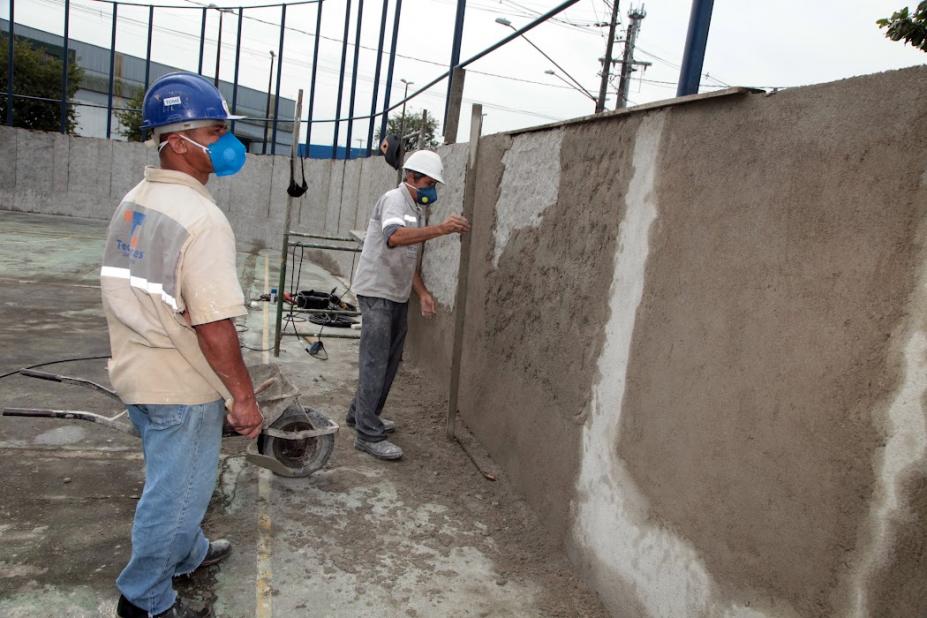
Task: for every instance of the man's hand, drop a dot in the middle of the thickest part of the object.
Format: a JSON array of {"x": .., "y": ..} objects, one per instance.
[
  {"x": 245, "y": 417},
  {"x": 455, "y": 223},
  {"x": 429, "y": 306}
]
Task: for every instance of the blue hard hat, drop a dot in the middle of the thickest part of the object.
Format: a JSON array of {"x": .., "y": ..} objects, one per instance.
[{"x": 179, "y": 98}]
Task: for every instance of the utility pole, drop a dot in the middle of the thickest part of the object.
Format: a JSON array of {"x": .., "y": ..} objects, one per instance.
[
  {"x": 607, "y": 61},
  {"x": 627, "y": 61}
]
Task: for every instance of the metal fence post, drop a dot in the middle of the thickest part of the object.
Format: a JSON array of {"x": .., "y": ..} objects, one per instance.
[
  {"x": 315, "y": 64},
  {"x": 199, "y": 67},
  {"x": 357, "y": 39},
  {"x": 273, "y": 139},
  {"x": 344, "y": 58},
  {"x": 376, "y": 79},
  {"x": 64, "y": 69},
  {"x": 148, "y": 47},
  {"x": 112, "y": 74},
  {"x": 690, "y": 74},
  {"x": 9, "y": 71},
  {"x": 241, "y": 18},
  {"x": 389, "y": 69}
]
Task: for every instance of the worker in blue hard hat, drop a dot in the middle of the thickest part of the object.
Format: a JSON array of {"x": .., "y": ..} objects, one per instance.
[
  {"x": 170, "y": 295},
  {"x": 386, "y": 275}
]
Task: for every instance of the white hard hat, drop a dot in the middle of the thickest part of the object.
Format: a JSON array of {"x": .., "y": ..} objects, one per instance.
[{"x": 426, "y": 162}]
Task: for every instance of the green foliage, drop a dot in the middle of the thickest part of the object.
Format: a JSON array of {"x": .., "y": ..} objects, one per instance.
[
  {"x": 130, "y": 118},
  {"x": 37, "y": 73},
  {"x": 411, "y": 127},
  {"x": 902, "y": 25}
]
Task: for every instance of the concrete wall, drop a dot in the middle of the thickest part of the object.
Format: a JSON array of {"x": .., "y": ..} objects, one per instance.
[
  {"x": 696, "y": 343},
  {"x": 56, "y": 174}
]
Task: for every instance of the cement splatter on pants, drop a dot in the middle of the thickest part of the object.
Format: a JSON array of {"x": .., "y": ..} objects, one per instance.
[{"x": 383, "y": 335}]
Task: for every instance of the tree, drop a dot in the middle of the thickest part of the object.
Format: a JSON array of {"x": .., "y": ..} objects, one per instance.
[
  {"x": 411, "y": 127},
  {"x": 130, "y": 118},
  {"x": 37, "y": 73},
  {"x": 911, "y": 28}
]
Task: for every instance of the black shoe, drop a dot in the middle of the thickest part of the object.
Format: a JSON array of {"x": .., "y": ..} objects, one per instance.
[
  {"x": 388, "y": 425},
  {"x": 218, "y": 551},
  {"x": 125, "y": 609}
]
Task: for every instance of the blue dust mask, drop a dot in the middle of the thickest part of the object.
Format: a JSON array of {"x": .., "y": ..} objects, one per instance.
[
  {"x": 227, "y": 154},
  {"x": 426, "y": 195}
]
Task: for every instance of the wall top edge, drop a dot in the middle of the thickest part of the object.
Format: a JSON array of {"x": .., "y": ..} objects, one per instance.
[{"x": 637, "y": 109}]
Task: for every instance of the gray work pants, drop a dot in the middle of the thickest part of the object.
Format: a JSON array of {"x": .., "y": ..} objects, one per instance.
[{"x": 383, "y": 334}]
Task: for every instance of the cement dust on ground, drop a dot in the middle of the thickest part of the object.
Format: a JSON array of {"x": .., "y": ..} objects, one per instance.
[{"x": 425, "y": 536}]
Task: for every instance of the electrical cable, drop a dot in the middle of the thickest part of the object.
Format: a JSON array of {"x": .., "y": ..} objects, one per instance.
[{"x": 54, "y": 362}]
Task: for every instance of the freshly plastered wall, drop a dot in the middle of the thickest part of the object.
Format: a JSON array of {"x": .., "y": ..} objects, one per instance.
[{"x": 695, "y": 341}]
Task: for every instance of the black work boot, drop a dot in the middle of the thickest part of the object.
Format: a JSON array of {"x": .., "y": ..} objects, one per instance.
[{"x": 125, "y": 609}]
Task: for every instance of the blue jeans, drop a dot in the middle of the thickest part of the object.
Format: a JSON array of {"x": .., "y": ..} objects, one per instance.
[{"x": 181, "y": 446}]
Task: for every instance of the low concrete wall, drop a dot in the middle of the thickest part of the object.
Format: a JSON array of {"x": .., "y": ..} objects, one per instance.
[
  {"x": 696, "y": 342},
  {"x": 55, "y": 174}
]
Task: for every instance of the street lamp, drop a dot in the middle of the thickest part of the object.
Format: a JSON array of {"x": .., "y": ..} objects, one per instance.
[
  {"x": 270, "y": 81},
  {"x": 505, "y": 22},
  {"x": 580, "y": 89},
  {"x": 402, "y": 116},
  {"x": 219, "y": 43}
]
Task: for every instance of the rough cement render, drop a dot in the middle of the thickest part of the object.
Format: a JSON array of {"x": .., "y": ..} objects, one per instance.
[
  {"x": 529, "y": 186},
  {"x": 534, "y": 323},
  {"x": 761, "y": 356}
]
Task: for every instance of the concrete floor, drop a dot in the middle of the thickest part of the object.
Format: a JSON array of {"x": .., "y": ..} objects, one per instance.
[{"x": 426, "y": 536}]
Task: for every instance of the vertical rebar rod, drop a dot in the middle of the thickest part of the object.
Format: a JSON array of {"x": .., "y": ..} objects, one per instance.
[
  {"x": 199, "y": 67},
  {"x": 315, "y": 65},
  {"x": 344, "y": 58},
  {"x": 389, "y": 70},
  {"x": 357, "y": 43},
  {"x": 376, "y": 79},
  {"x": 64, "y": 69},
  {"x": 9, "y": 72},
  {"x": 273, "y": 138},
  {"x": 241, "y": 18},
  {"x": 148, "y": 47},
  {"x": 112, "y": 76}
]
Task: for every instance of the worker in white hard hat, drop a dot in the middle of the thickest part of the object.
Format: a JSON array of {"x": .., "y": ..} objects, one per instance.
[{"x": 385, "y": 278}]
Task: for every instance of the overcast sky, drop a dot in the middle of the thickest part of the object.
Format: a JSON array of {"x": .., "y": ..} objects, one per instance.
[{"x": 786, "y": 43}]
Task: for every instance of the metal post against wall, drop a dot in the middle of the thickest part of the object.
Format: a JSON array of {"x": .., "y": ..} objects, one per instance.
[
  {"x": 199, "y": 67},
  {"x": 148, "y": 46},
  {"x": 241, "y": 18},
  {"x": 453, "y": 109},
  {"x": 112, "y": 75},
  {"x": 315, "y": 65},
  {"x": 357, "y": 44},
  {"x": 376, "y": 79},
  {"x": 64, "y": 69},
  {"x": 693, "y": 57},
  {"x": 270, "y": 83},
  {"x": 455, "y": 52},
  {"x": 389, "y": 70},
  {"x": 463, "y": 269},
  {"x": 344, "y": 59},
  {"x": 286, "y": 227},
  {"x": 273, "y": 139}
]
